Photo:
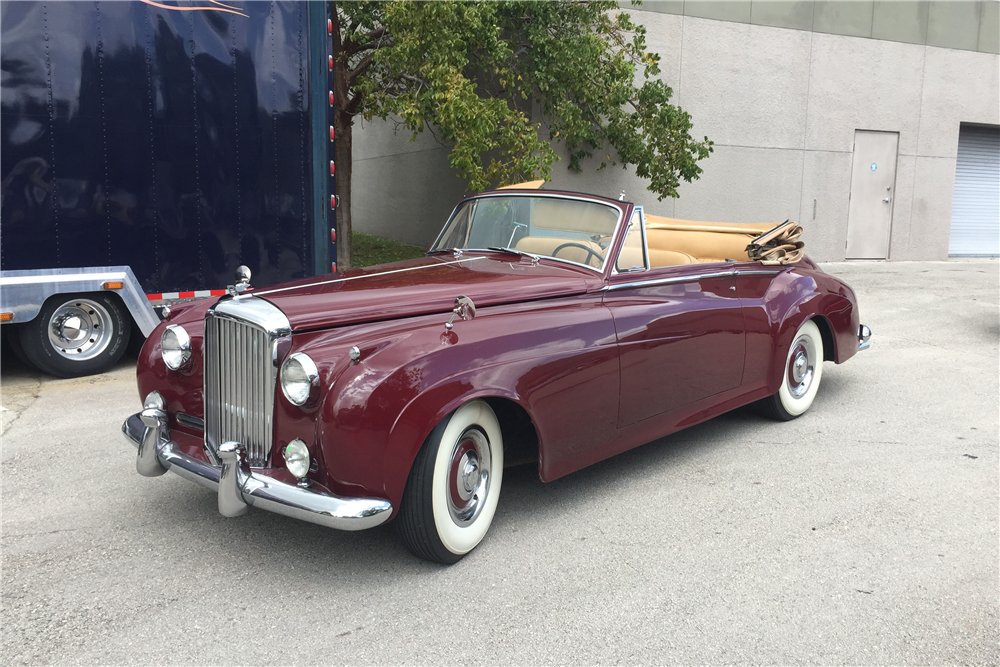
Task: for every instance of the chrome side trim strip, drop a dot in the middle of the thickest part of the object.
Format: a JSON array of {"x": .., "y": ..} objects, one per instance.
[
  {"x": 368, "y": 275},
  {"x": 758, "y": 272},
  {"x": 668, "y": 281}
]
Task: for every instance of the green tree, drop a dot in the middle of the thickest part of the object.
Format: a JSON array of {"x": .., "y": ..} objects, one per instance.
[{"x": 477, "y": 75}]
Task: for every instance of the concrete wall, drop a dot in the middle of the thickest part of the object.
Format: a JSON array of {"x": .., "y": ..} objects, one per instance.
[{"x": 781, "y": 104}]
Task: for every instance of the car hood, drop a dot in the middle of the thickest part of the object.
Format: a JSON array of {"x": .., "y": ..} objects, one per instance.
[{"x": 421, "y": 286}]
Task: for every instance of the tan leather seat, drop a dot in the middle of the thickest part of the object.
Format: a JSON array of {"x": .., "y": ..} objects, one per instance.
[
  {"x": 633, "y": 257},
  {"x": 705, "y": 241}
]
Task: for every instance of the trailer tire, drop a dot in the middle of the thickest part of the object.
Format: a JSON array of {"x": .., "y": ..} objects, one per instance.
[{"x": 77, "y": 334}]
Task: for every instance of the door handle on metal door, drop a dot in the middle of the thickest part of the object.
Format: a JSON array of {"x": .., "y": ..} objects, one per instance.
[{"x": 887, "y": 200}]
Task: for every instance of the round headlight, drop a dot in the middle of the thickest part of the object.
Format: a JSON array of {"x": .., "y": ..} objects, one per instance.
[
  {"x": 297, "y": 458},
  {"x": 175, "y": 346},
  {"x": 299, "y": 379}
]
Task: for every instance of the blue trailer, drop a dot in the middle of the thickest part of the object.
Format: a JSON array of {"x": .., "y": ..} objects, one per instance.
[{"x": 148, "y": 150}]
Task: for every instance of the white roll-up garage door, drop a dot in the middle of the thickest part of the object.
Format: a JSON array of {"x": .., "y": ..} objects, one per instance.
[{"x": 975, "y": 214}]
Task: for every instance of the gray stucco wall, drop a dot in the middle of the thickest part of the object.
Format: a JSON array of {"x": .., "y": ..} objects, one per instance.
[{"x": 781, "y": 105}]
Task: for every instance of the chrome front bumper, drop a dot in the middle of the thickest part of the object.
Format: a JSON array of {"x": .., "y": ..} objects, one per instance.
[
  {"x": 238, "y": 487},
  {"x": 864, "y": 337}
]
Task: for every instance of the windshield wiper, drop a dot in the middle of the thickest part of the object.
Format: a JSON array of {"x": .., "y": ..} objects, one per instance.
[
  {"x": 440, "y": 251},
  {"x": 519, "y": 253}
]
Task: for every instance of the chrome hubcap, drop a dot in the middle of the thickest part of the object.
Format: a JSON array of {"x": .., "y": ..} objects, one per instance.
[
  {"x": 468, "y": 476},
  {"x": 801, "y": 367},
  {"x": 80, "y": 329}
]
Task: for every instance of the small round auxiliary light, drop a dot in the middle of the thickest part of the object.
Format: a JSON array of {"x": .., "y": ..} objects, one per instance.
[
  {"x": 154, "y": 401},
  {"x": 297, "y": 458}
]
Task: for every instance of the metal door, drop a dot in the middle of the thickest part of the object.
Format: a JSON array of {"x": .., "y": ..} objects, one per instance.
[
  {"x": 873, "y": 184},
  {"x": 975, "y": 213}
]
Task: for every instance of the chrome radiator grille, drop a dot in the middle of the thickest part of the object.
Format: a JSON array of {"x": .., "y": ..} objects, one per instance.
[{"x": 239, "y": 387}]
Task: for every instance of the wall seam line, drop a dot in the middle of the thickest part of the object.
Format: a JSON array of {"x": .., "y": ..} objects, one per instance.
[
  {"x": 805, "y": 127},
  {"x": 916, "y": 153}
]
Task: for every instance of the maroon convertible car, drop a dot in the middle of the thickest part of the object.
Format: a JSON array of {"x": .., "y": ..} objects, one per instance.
[{"x": 541, "y": 326}]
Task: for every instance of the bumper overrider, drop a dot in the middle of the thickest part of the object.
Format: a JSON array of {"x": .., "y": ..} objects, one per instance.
[
  {"x": 864, "y": 337},
  {"x": 239, "y": 487}
]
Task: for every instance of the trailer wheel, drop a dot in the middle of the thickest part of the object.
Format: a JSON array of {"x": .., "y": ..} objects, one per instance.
[{"x": 77, "y": 334}]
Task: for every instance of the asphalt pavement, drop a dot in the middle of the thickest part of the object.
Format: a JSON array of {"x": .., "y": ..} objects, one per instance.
[{"x": 864, "y": 532}]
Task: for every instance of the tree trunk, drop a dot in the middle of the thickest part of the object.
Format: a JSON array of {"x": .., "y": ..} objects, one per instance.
[{"x": 343, "y": 124}]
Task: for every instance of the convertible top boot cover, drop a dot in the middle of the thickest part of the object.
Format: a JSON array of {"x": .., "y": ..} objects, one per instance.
[{"x": 780, "y": 245}]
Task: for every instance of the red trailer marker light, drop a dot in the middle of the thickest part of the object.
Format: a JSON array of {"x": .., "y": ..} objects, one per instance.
[
  {"x": 333, "y": 236},
  {"x": 333, "y": 202},
  {"x": 331, "y": 63},
  {"x": 331, "y": 98},
  {"x": 332, "y": 133},
  {"x": 329, "y": 26},
  {"x": 331, "y": 167},
  {"x": 333, "y": 267}
]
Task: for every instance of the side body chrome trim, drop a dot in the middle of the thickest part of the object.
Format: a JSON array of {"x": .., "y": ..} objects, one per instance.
[
  {"x": 669, "y": 281},
  {"x": 24, "y": 292},
  {"x": 239, "y": 487}
]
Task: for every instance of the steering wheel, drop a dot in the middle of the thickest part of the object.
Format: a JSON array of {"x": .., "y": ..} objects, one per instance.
[{"x": 590, "y": 251}]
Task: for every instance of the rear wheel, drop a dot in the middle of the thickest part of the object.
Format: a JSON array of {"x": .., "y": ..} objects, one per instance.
[
  {"x": 452, "y": 492},
  {"x": 76, "y": 334},
  {"x": 803, "y": 370}
]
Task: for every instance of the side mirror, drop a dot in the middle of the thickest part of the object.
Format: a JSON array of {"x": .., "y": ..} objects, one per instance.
[{"x": 464, "y": 308}]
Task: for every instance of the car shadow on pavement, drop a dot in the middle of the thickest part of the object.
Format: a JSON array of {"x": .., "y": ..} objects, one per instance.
[{"x": 269, "y": 542}]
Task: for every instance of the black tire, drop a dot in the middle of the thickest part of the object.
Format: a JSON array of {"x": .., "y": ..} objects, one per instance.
[
  {"x": 427, "y": 520},
  {"x": 12, "y": 341},
  {"x": 104, "y": 324}
]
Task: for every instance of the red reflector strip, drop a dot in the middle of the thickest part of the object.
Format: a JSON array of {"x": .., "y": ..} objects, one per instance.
[
  {"x": 198, "y": 294},
  {"x": 332, "y": 168},
  {"x": 331, "y": 98},
  {"x": 332, "y": 133}
]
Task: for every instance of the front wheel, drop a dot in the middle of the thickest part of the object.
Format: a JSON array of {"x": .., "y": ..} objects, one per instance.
[
  {"x": 76, "y": 334},
  {"x": 454, "y": 485},
  {"x": 803, "y": 370}
]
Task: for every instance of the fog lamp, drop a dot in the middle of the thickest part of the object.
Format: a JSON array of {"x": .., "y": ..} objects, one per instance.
[
  {"x": 297, "y": 458},
  {"x": 154, "y": 401},
  {"x": 175, "y": 347}
]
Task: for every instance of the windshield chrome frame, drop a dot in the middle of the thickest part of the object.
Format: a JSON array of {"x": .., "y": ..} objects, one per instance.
[{"x": 536, "y": 193}]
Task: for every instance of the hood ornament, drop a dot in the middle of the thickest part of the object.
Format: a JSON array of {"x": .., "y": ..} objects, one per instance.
[
  {"x": 464, "y": 308},
  {"x": 242, "y": 281}
]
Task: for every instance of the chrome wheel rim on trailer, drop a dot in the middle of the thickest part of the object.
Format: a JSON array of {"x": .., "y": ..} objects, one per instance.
[{"x": 80, "y": 329}]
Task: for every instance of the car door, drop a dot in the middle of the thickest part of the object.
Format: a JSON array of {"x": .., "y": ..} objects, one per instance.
[{"x": 679, "y": 329}]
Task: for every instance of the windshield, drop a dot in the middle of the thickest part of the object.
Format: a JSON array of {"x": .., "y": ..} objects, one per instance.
[{"x": 567, "y": 229}]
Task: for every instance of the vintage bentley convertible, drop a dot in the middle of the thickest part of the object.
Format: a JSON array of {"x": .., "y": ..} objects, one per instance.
[{"x": 541, "y": 326}]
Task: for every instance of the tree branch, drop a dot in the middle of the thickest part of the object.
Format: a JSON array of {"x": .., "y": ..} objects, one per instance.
[{"x": 360, "y": 69}]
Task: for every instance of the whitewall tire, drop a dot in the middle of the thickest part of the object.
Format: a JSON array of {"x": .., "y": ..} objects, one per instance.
[
  {"x": 801, "y": 375},
  {"x": 454, "y": 485}
]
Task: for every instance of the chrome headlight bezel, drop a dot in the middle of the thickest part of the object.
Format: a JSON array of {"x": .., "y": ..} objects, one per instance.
[
  {"x": 300, "y": 380},
  {"x": 175, "y": 347}
]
